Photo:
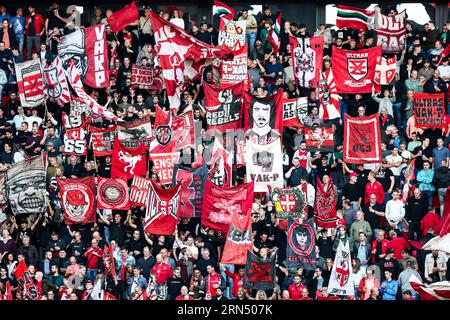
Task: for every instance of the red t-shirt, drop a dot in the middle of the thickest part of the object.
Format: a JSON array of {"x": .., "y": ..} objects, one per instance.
[
  {"x": 398, "y": 244},
  {"x": 162, "y": 272},
  {"x": 92, "y": 259},
  {"x": 295, "y": 292}
]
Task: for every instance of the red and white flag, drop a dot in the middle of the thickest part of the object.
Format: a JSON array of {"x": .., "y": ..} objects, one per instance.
[
  {"x": 29, "y": 83},
  {"x": 102, "y": 140},
  {"x": 128, "y": 162},
  {"x": 123, "y": 17},
  {"x": 87, "y": 48},
  {"x": 274, "y": 35},
  {"x": 56, "y": 88},
  {"x": 161, "y": 217},
  {"x": 434, "y": 291},
  {"x": 78, "y": 199},
  {"x": 328, "y": 96},
  {"x": 139, "y": 192},
  {"x": 112, "y": 194},
  {"x": 221, "y": 165},
  {"x": 362, "y": 139},
  {"x": 385, "y": 70},
  {"x": 442, "y": 241},
  {"x": 77, "y": 85},
  {"x": 182, "y": 57},
  {"x": 164, "y": 164},
  {"x": 307, "y": 60}
]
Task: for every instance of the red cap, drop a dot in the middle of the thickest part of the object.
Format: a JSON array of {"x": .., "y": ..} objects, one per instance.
[
  {"x": 353, "y": 174},
  {"x": 76, "y": 198}
]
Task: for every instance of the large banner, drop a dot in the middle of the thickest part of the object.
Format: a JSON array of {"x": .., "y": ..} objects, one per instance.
[
  {"x": 56, "y": 87},
  {"x": 362, "y": 139},
  {"x": 192, "y": 189},
  {"x": 263, "y": 165},
  {"x": 132, "y": 134},
  {"x": 30, "y": 83},
  {"x": 139, "y": 192},
  {"x": 235, "y": 71},
  {"x": 221, "y": 166},
  {"x": 232, "y": 34},
  {"x": 294, "y": 111},
  {"x": 320, "y": 138},
  {"x": 87, "y": 48},
  {"x": 263, "y": 117},
  {"x": 239, "y": 239},
  {"x": 325, "y": 205},
  {"x": 328, "y": 97},
  {"x": 128, "y": 163},
  {"x": 385, "y": 70},
  {"x": 26, "y": 187},
  {"x": 429, "y": 110},
  {"x": 161, "y": 217},
  {"x": 289, "y": 203},
  {"x": 224, "y": 107},
  {"x": 147, "y": 78},
  {"x": 74, "y": 135},
  {"x": 354, "y": 71},
  {"x": 341, "y": 280},
  {"x": 307, "y": 60},
  {"x": 260, "y": 274},
  {"x": 112, "y": 194},
  {"x": 391, "y": 31},
  {"x": 301, "y": 248},
  {"x": 219, "y": 204},
  {"x": 78, "y": 199},
  {"x": 102, "y": 140},
  {"x": 164, "y": 164}
]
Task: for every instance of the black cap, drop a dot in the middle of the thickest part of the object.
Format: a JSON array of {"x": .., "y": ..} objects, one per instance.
[{"x": 302, "y": 26}]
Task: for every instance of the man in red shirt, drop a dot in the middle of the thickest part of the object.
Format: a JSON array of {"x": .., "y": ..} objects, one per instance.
[
  {"x": 213, "y": 281},
  {"x": 397, "y": 244},
  {"x": 161, "y": 270},
  {"x": 374, "y": 187},
  {"x": 238, "y": 280},
  {"x": 379, "y": 247},
  {"x": 295, "y": 289},
  {"x": 34, "y": 29},
  {"x": 93, "y": 254}
]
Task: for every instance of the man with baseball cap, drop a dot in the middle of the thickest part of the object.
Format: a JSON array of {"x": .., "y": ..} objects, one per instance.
[{"x": 352, "y": 191}]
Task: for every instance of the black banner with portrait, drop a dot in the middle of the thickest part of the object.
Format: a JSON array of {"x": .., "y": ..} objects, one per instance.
[{"x": 301, "y": 248}]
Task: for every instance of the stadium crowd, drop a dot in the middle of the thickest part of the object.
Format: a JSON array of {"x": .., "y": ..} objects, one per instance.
[{"x": 66, "y": 261}]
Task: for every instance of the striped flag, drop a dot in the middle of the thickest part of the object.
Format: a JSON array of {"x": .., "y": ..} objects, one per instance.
[
  {"x": 434, "y": 291},
  {"x": 224, "y": 11},
  {"x": 274, "y": 35},
  {"x": 352, "y": 17},
  {"x": 328, "y": 96}
]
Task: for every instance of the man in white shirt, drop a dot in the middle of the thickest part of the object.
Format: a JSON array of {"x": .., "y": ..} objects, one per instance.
[
  {"x": 404, "y": 154},
  {"x": 444, "y": 70},
  {"x": 394, "y": 162},
  {"x": 395, "y": 210},
  {"x": 33, "y": 118},
  {"x": 189, "y": 243}
]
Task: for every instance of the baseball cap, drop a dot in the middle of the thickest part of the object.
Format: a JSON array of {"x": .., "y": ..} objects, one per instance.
[
  {"x": 76, "y": 198},
  {"x": 353, "y": 174}
]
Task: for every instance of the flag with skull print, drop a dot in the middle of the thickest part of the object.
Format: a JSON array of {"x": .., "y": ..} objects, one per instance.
[
  {"x": 307, "y": 59},
  {"x": 78, "y": 199},
  {"x": 26, "y": 187},
  {"x": 341, "y": 280}
]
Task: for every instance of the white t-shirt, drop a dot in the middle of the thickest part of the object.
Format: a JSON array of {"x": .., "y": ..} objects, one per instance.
[
  {"x": 444, "y": 71},
  {"x": 391, "y": 159},
  {"x": 178, "y": 22},
  {"x": 192, "y": 248}
]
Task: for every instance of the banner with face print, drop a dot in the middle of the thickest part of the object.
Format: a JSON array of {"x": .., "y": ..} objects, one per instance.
[
  {"x": 301, "y": 248},
  {"x": 263, "y": 165},
  {"x": 224, "y": 107},
  {"x": 295, "y": 111},
  {"x": 26, "y": 186},
  {"x": 263, "y": 117},
  {"x": 307, "y": 59},
  {"x": 112, "y": 194},
  {"x": 78, "y": 199}
]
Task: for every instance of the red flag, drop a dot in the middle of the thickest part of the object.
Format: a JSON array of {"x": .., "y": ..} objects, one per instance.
[
  {"x": 8, "y": 292},
  {"x": 354, "y": 71},
  {"x": 442, "y": 241},
  {"x": 320, "y": 138},
  {"x": 362, "y": 139},
  {"x": 164, "y": 164},
  {"x": 20, "y": 269},
  {"x": 218, "y": 203},
  {"x": 123, "y": 17},
  {"x": 102, "y": 140},
  {"x": 429, "y": 110},
  {"x": 294, "y": 111},
  {"x": 112, "y": 194},
  {"x": 109, "y": 261},
  {"x": 328, "y": 96},
  {"x": 162, "y": 139},
  {"x": 107, "y": 296},
  {"x": 128, "y": 163},
  {"x": 385, "y": 70},
  {"x": 224, "y": 107},
  {"x": 307, "y": 60},
  {"x": 78, "y": 199},
  {"x": 139, "y": 192},
  {"x": 182, "y": 57},
  {"x": 325, "y": 205},
  {"x": 161, "y": 217},
  {"x": 239, "y": 238},
  {"x": 434, "y": 291}
]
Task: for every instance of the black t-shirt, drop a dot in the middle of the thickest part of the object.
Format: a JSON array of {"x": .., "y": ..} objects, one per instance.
[
  {"x": 31, "y": 26},
  {"x": 384, "y": 177},
  {"x": 53, "y": 22},
  {"x": 372, "y": 218},
  {"x": 428, "y": 152},
  {"x": 351, "y": 191},
  {"x": 117, "y": 232},
  {"x": 325, "y": 247}
]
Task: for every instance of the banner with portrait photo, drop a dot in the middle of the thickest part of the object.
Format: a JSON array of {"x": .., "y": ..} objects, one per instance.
[
  {"x": 429, "y": 110},
  {"x": 224, "y": 107},
  {"x": 362, "y": 139},
  {"x": 320, "y": 138},
  {"x": 301, "y": 248},
  {"x": 263, "y": 117},
  {"x": 132, "y": 134},
  {"x": 263, "y": 165},
  {"x": 294, "y": 112},
  {"x": 78, "y": 199},
  {"x": 25, "y": 186}
]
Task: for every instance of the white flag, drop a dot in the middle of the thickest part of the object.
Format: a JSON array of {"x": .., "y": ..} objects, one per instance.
[{"x": 341, "y": 280}]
